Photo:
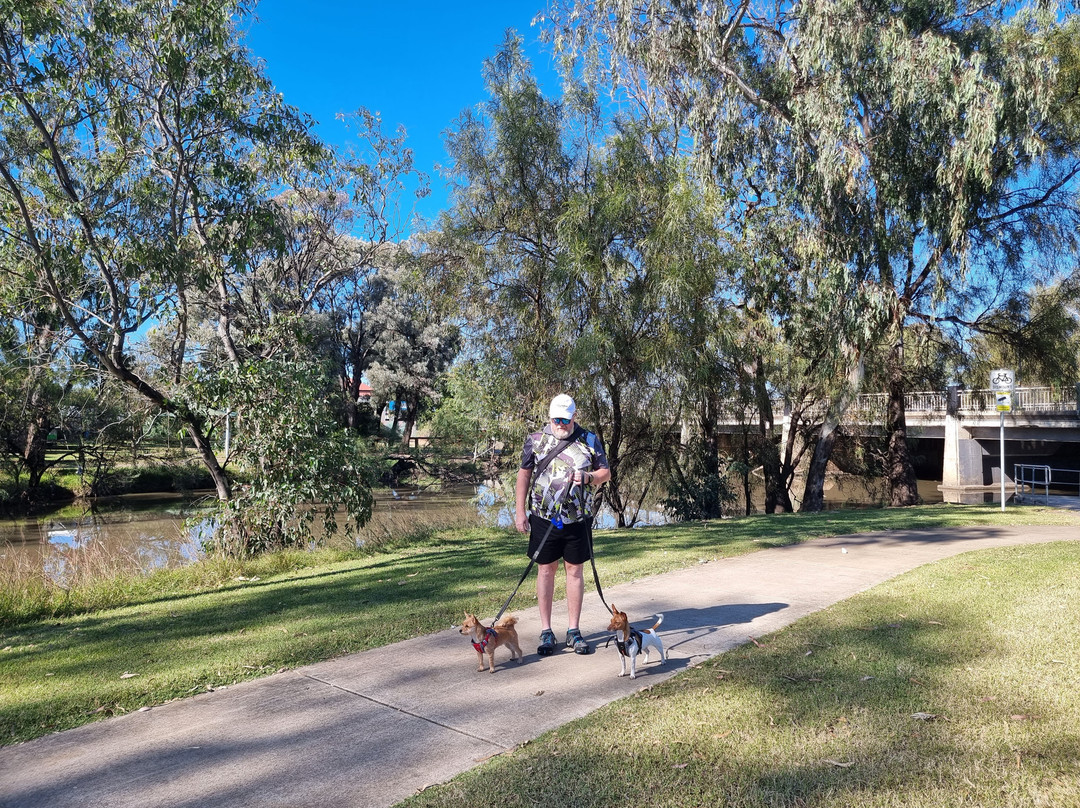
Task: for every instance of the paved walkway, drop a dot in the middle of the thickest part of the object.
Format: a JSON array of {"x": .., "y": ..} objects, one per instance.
[{"x": 371, "y": 729}]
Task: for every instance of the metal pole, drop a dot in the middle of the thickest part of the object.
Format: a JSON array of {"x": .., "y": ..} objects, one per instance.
[{"x": 1002, "y": 414}]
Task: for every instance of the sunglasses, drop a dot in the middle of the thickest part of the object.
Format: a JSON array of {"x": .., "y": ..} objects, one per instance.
[{"x": 561, "y": 421}]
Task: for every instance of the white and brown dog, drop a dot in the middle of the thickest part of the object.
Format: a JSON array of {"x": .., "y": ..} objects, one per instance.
[
  {"x": 631, "y": 642},
  {"x": 486, "y": 640}
]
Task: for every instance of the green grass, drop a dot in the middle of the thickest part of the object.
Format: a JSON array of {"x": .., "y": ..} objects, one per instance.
[
  {"x": 823, "y": 713},
  {"x": 214, "y": 624}
]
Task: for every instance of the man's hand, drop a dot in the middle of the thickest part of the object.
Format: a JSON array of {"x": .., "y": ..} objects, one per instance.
[{"x": 521, "y": 522}]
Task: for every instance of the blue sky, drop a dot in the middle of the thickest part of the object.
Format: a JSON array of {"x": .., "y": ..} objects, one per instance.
[{"x": 417, "y": 63}]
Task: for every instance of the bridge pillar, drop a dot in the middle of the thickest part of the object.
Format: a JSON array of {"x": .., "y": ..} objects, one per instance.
[{"x": 966, "y": 475}]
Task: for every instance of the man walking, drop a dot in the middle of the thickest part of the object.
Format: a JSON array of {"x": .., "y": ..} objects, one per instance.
[{"x": 554, "y": 501}]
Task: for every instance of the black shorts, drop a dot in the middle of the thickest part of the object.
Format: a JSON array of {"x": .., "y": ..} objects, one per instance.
[{"x": 570, "y": 543}]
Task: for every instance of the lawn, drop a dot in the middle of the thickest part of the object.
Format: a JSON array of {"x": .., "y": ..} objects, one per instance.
[
  {"x": 64, "y": 661},
  {"x": 953, "y": 685}
]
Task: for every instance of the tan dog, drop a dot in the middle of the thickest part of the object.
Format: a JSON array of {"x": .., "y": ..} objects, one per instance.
[
  {"x": 630, "y": 641},
  {"x": 486, "y": 640}
]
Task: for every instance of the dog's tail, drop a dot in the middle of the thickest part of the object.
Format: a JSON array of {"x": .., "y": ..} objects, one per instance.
[
  {"x": 506, "y": 622},
  {"x": 656, "y": 625}
]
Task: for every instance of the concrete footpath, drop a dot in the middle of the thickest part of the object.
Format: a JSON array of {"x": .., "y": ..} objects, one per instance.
[{"x": 371, "y": 729}]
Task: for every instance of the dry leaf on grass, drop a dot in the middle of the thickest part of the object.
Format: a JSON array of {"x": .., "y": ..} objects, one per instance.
[
  {"x": 924, "y": 716},
  {"x": 847, "y": 765}
]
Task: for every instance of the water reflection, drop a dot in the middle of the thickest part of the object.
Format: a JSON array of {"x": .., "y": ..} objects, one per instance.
[{"x": 145, "y": 532}]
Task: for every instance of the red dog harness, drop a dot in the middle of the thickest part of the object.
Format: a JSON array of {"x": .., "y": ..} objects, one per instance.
[{"x": 489, "y": 635}]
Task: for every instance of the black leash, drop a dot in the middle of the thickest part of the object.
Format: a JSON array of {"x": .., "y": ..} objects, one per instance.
[
  {"x": 532, "y": 559},
  {"x": 525, "y": 574},
  {"x": 592, "y": 560}
]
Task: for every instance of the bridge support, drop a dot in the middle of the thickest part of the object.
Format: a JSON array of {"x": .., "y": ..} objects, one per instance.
[{"x": 970, "y": 473}]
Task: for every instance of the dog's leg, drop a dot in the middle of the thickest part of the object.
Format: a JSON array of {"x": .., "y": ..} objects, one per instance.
[
  {"x": 479, "y": 662},
  {"x": 622, "y": 664},
  {"x": 491, "y": 661},
  {"x": 633, "y": 663}
]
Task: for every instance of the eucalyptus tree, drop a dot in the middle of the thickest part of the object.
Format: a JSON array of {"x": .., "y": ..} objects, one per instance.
[
  {"x": 920, "y": 144},
  {"x": 34, "y": 376},
  {"x": 414, "y": 350},
  {"x": 573, "y": 234},
  {"x": 146, "y": 164},
  {"x": 128, "y": 177},
  {"x": 1036, "y": 333}
]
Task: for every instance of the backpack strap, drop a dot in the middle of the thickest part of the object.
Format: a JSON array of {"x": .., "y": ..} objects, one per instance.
[{"x": 545, "y": 461}]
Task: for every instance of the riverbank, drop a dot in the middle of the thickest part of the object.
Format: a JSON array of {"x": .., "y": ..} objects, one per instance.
[{"x": 175, "y": 636}]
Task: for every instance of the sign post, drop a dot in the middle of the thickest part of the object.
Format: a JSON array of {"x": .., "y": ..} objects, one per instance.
[{"x": 1003, "y": 383}]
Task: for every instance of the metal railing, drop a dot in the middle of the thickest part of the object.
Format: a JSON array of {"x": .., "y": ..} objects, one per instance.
[
  {"x": 1030, "y": 478},
  {"x": 870, "y": 407},
  {"x": 1030, "y": 399}
]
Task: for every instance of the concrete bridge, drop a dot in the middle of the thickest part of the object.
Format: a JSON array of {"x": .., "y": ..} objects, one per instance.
[{"x": 1043, "y": 422}]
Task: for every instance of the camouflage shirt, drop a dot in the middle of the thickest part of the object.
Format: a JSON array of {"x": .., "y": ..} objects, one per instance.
[{"x": 548, "y": 491}]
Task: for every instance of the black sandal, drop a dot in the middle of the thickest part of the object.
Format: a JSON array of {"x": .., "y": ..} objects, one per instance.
[{"x": 547, "y": 643}]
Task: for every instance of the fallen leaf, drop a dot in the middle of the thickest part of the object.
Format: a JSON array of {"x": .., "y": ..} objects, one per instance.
[
  {"x": 127, "y": 675},
  {"x": 934, "y": 623},
  {"x": 847, "y": 765},
  {"x": 680, "y": 765},
  {"x": 539, "y": 692},
  {"x": 866, "y": 678},
  {"x": 755, "y": 642},
  {"x": 1019, "y": 717},
  {"x": 915, "y": 681},
  {"x": 924, "y": 716}
]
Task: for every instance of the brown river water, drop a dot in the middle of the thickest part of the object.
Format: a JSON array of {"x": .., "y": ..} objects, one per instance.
[{"x": 141, "y": 533}]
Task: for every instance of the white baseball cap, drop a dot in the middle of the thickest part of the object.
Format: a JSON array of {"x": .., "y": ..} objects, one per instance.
[{"x": 562, "y": 406}]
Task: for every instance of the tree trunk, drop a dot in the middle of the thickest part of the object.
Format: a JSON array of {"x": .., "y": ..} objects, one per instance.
[
  {"x": 776, "y": 493},
  {"x": 411, "y": 408},
  {"x": 615, "y": 494},
  {"x": 900, "y": 471},
  {"x": 209, "y": 459},
  {"x": 814, "y": 493}
]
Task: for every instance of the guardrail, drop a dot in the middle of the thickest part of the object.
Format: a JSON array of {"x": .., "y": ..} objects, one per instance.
[{"x": 1031, "y": 478}]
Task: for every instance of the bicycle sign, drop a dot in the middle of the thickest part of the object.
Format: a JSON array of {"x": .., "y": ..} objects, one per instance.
[{"x": 1002, "y": 380}]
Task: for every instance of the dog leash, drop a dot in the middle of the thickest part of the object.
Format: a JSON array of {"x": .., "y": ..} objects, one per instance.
[
  {"x": 536, "y": 555},
  {"x": 592, "y": 561}
]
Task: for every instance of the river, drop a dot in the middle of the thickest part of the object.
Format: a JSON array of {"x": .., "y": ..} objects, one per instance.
[{"x": 141, "y": 533}]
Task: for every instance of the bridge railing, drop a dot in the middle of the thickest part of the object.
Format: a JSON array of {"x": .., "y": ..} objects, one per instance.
[
  {"x": 1029, "y": 399},
  {"x": 869, "y": 408}
]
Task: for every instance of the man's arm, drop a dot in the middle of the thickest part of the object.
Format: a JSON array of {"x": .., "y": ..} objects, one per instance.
[
  {"x": 521, "y": 498},
  {"x": 594, "y": 477}
]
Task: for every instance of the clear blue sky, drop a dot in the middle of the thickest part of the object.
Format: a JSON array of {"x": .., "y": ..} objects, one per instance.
[{"x": 417, "y": 63}]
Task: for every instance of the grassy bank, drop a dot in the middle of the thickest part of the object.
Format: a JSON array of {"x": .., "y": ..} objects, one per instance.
[
  {"x": 182, "y": 632},
  {"x": 953, "y": 685}
]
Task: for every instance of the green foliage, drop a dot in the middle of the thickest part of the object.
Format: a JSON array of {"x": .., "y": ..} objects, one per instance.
[
  {"x": 698, "y": 491},
  {"x": 299, "y": 469}
]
